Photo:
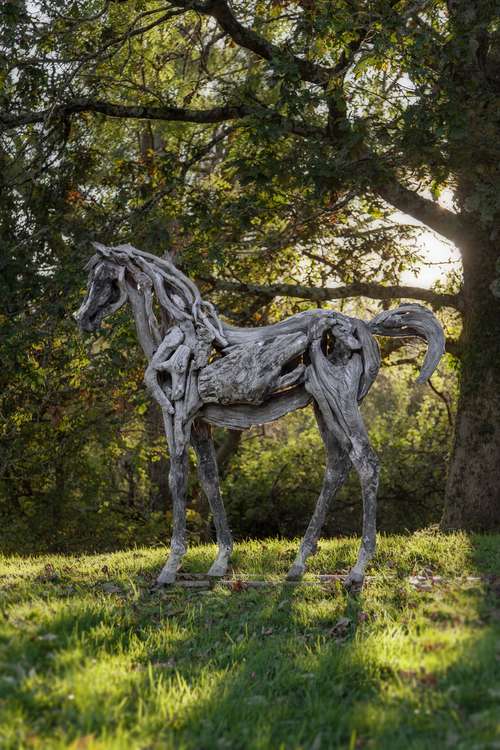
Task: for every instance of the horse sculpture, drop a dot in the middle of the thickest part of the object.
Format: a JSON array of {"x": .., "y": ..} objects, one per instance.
[{"x": 202, "y": 371}]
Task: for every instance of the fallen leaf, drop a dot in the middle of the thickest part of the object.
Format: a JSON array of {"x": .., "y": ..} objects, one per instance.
[
  {"x": 430, "y": 647},
  {"x": 428, "y": 679},
  {"x": 49, "y": 573},
  {"x": 238, "y": 585},
  {"x": 111, "y": 588},
  {"x": 341, "y": 628},
  {"x": 406, "y": 674},
  {"x": 424, "y": 678}
]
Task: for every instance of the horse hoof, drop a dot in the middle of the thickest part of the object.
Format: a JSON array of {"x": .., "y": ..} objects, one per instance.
[
  {"x": 219, "y": 567},
  {"x": 165, "y": 579},
  {"x": 296, "y": 572},
  {"x": 156, "y": 588},
  {"x": 354, "y": 582},
  {"x": 217, "y": 571}
]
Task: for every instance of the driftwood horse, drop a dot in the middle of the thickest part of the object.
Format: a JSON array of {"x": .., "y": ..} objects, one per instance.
[{"x": 203, "y": 371}]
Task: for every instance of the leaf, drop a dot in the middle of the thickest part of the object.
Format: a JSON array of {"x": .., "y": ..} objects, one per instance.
[
  {"x": 111, "y": 588},
  {"x": 341, "y": 628},
  {"x": 431, "y": 647},
  {"x": 238, "y": 585},
  {"x": 426, "y": 679}
]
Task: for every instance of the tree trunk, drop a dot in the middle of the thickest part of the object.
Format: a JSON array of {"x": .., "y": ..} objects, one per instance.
[{"x": 473, "y": 489}]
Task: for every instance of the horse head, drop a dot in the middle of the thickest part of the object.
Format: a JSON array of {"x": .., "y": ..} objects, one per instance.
[{"x": 106, "y": 289}]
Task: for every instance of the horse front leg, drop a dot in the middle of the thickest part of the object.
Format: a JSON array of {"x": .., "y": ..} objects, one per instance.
[
  {"x": 336, "y": 472},
  {"x": 177, "y": 479},
  {"x": 367, "y": 465},
  {"x": 201, "y": 440}
]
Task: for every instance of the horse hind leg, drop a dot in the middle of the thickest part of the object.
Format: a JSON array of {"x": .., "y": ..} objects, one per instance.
[
  {"x": 336, "y": 470},
  {"x": 208, "y": 475},
  {"x": 339, "y": 406}
]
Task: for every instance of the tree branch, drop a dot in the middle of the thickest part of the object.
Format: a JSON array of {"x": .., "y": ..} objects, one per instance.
[
  {"x": 445, "y": 398},
  {"x": 434, "y": 216},
  {"x": 213, "y": 115},
  {"x": 367, "y": 289},
  {"x": 223, "y": 113},
  {"x": 249, "y": 39}
]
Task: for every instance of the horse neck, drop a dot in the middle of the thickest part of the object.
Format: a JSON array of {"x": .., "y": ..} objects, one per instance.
[{"x": 144, "y": 335}]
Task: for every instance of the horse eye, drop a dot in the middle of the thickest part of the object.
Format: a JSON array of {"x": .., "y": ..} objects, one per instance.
[{"x": 115, "y": 291}]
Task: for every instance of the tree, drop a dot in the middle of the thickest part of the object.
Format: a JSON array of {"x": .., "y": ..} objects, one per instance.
[{"x": 291, "y": 130}]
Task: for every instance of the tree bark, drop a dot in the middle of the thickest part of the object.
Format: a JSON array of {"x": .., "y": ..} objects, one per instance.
[{"x": 472, "y": 499}]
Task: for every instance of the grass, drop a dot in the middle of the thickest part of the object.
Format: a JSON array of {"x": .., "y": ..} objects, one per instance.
[{"x": 89, "y": 660}]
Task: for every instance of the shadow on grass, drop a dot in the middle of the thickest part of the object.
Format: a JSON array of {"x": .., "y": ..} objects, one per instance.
[
  {"x": 286, "y": 667},
  {"x": 323, "y": 686}
]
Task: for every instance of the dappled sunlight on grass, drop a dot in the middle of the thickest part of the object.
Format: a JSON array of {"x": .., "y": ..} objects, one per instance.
[{"x": 90, "y": 659}]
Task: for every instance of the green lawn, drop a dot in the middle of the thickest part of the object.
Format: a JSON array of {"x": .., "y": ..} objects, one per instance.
[{"x": 89, "y": 659}]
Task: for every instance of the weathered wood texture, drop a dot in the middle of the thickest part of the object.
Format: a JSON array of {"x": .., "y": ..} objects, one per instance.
[{"x": 202, "y": 371}]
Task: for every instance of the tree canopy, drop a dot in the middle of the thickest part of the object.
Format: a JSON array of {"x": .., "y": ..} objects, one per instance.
[{"x": 267, "y": 145}]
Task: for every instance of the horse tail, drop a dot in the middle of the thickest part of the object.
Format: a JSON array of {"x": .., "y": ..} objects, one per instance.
[{"x": 413, "y": 320}]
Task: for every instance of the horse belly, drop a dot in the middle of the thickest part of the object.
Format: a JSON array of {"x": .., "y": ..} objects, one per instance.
[{"x": 248, "y": 374}]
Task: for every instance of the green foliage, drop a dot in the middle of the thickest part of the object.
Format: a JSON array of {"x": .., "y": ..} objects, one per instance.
[
  {"x": 89, "y": 659},
  {"x": 287, "y": 193}
]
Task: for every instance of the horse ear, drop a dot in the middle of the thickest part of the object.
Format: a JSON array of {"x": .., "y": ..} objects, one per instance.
[
  {"x": 102, "y": 249},
  {"x": 92, "y": 263}
]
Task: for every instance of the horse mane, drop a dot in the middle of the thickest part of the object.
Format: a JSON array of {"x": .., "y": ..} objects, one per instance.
[{"x": 178, "y": 297}]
